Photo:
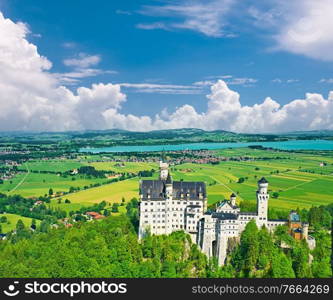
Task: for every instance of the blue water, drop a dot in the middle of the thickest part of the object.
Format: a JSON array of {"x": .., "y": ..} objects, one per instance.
[{"x": 286, "y": 145}]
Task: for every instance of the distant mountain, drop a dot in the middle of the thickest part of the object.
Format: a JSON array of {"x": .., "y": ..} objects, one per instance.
[
  {"x": 309, "y": 133},
  {"x": 176, "y": 136}
]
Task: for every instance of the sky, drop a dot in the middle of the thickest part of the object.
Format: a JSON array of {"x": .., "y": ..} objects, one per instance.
[{"x": 237, "y": 65}]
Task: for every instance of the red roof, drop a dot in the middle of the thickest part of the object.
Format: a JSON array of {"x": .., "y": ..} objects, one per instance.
[{"x": 94, "y": 215}]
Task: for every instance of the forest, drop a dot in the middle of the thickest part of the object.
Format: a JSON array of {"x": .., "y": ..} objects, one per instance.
[{"x": 110, "y": 248}]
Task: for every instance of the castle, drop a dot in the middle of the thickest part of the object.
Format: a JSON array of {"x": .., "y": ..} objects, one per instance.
[{"x": 167, "y": 206}]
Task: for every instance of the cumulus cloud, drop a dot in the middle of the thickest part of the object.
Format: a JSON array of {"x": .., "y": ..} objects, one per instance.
[
  {"x": 32, "y": 98},
  {"x": 226, "y": 112}
]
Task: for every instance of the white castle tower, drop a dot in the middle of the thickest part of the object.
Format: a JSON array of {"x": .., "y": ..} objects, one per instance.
[
  {"x": 233, "y": 199},
  {"x": 163, "y": 170},
  {"x": 262, "y": 202}
]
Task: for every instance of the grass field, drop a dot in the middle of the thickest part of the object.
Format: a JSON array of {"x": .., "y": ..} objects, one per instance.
[
  {"x": 295, "y": 188},
  {"x": 297, "y": 177},
  {"x": 12, "y": 220},
  {"x": 55, "y": 165},
  {"x": 128, "y": 166},
  {"x": 35, "y": 184},
  {"x": 110, "y": 193}
]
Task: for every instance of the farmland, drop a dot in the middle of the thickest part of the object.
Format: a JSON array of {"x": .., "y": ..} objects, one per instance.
[{"x": 297, "y": 178}]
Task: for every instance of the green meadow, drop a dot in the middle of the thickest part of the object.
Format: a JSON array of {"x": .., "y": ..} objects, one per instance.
[
  {"x": 125, "y": 167},
  {"x": 298, "y": 179},
  {"x": 12, "y": 220},
  {"x": 55, "y": 165},
  {"x": 38, "y": 184}
]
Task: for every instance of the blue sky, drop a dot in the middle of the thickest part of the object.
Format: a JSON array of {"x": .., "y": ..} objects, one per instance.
[{"x": 178, "y": 49}]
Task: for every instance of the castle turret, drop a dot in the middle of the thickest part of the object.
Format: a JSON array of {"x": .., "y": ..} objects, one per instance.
[
  {"x": 233, "y": 199},
  {"x": 168, "y": 186},
  {"x": 262, "y": 201},
  {"x": 305, "y": 231}
]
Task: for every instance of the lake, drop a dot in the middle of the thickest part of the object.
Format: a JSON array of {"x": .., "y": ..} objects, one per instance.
[{"x": 285, "y": 145}]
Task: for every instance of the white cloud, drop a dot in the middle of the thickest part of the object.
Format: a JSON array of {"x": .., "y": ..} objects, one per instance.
[
  {"x": 288, "y": 81},
  {"x": 32, "y": 98},
  {"x": 123, "y": 12},
  {"x": 81, "y": 69},
  {"x": 152, "y": 26},
  {"x": 326, "y": 80},
  {"x": 226, "y": 112},
  {"x": 69, "y": 45},
  {"x": 229, "y": 79},
  {"x": 74, "y": 76},
  {"x": 206, "y": 17},
  {"x": 83, "y": 61},
  {"x": 162, "y": 88},
  {"x": 309, "y": 31},
  {"x": 302, "y": 27}
]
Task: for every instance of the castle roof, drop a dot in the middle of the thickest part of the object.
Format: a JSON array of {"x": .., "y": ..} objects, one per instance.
[
  {"x": 226, "y": 203},
  {"x": 224, "y": 216},
  {"x": 180, "y": 189},
  {"x": 263, "y": 180}
]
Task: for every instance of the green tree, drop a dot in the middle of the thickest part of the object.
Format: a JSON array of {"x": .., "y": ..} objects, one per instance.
[
  {"x": 281, "y": 266},
  {"x": 3, "y": 219},
  {"x": 115, "y": 207},
  {"x": 19, "y": 226},
  {"x": 240, "y": 180},
  {"x": 300, "y": 259}
]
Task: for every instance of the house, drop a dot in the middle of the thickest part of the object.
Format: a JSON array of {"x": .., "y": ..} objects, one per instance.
[{"x": 94, "y": 215}]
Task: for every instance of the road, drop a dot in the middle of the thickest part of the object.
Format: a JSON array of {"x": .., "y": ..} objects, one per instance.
[{"x": 23, "y": 179}]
